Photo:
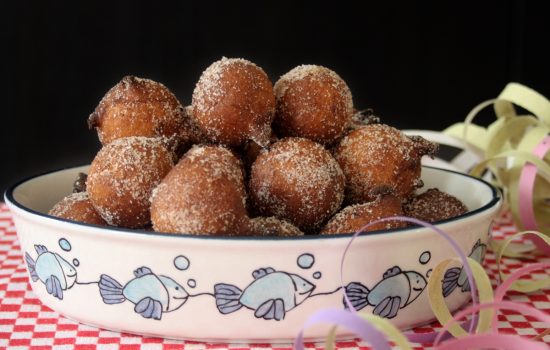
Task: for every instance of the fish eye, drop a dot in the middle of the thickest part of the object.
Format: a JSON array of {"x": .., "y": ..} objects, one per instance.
[{"x": 177, "y": 288}]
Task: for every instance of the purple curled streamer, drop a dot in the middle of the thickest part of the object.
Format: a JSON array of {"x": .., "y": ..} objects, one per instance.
[{"x": 378, "y": 339}]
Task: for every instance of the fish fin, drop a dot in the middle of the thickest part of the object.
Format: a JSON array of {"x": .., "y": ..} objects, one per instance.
[
  {"x": 149, "y": 308},
  {"x": 357, "y": 295},
  {"x": 110, "y": 290},
  {"x": 32, "y": 267},
  {"x": 383, "y": 308},
  {"x": 142, "y": 271},
  {"x": 53, "y": 286},
  {"x": 227, "y": 298},
  {"x": 259, "y": 273},
  {"x": 450, "y": 280},
  {"x": 396, "y": 270},
  {"x": 477, "y": 244},
  {"x": 273, "y": 309},
  {"x": 466, "y": 286},
  {"x": 394, "y": 307},
  {"x": 40, "y": 249}
]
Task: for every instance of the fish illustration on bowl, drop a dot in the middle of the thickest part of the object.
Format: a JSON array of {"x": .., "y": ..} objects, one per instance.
[
  {"x": 271, "y": 295},
  {"x": 50, "y": 268},
  {"x": 456, "y": 276},
  {"x": 395, "y": 291},
  {"x": 152, "y": 294}
]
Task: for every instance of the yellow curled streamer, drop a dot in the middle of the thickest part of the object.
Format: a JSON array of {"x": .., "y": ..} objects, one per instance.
[
  {"x": 525, "y": 286},
  {"x": 506, "y": 146},
  {"x": 437, "y": 301}
]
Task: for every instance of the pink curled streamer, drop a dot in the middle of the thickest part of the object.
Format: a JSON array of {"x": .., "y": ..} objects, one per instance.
[
  {"x": 508, "y": 305},
  {"x": 526, "y": 189}
]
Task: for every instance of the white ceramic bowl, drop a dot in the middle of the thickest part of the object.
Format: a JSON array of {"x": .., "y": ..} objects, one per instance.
[{"x": 237, "y": 289}]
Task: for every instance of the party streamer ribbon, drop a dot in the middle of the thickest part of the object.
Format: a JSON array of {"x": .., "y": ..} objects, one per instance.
[
  {"x": 516, "y": 150},
  {"x": 378, "y": 331}
]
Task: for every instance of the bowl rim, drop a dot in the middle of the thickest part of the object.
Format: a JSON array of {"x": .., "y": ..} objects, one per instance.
[{"x": 10, "y": 199}]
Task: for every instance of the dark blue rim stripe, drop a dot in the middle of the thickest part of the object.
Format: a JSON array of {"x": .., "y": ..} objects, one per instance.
[{"x": 8, "y": 195}]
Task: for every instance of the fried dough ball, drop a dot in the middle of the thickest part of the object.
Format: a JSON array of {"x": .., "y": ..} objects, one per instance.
[
  {"x": 379, "y": 159},
  {"x": 190, "y": 133},
  {"x": 203, "y": 194},
  {"x": 434, "y": 205},
  {"x": 234, "y": 102},
  {"x": 138, "y": 107},
  {"x": 122, "y": 177},
  {"x": 299, "y": 181},
  {"x": 355, "y": 217},
  {"x": 77, "y": 207},
  {"x": 312, "y": 102},
  {"x": 273, "y": 227}
]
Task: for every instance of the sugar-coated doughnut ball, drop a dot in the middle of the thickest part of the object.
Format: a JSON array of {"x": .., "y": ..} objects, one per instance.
[
  {"x": 233, "y": 102},
  {"x": 312, "y": 102},
  {"x": 354, "y": 217},
  {"x": 122, "y": 177},
  {"x": 273, "y": 227},
  {"x": 297, "y": 180},
  {"x": 378, "y": 159},
  {"x": 190, "y": 133},
  {"x": 434, "y": 205},
  {"x": 77, "y": 207},
  {"x": 203, "y": 194},
  {"x": 137, "y": 107}
]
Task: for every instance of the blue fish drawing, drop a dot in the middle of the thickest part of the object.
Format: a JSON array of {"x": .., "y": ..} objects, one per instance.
[
  {"x": 456, "y": 276},
  {"x": 271, "y": 295},
  {"x": 396, "y": 290},
  {"x": 152, "y": 294},
  {"x": 52, "y": 270}
]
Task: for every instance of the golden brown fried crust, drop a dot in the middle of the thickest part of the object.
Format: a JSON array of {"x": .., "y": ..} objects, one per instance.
[
  {"x": 203, "y": 194},
  {"x": 77, "y": 207},
  {"x": 353, "y": 218},
  {"x": 273, "y": 227},
  {"x": 312, "y": 102},
  {"x": 434, "y": 205},
  {"x": 233, "y": 102},
  {"x": 138, "y": 107},
  {"x": 297, "y": 180},
  {"x": 122, "y": 177},
  {"x": 379, "y": 159}
]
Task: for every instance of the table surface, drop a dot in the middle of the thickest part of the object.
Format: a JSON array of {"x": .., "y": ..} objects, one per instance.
[{"x": 26, "y": 323}]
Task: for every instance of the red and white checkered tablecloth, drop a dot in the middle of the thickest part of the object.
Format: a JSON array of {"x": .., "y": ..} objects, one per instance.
[{"x": 26, "y": 323}]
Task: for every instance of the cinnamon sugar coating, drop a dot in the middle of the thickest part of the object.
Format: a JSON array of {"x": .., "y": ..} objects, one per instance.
[
  {"x": 77, "y": 207},
  {"x": 355, "y": 217},
  {"x": 312, "y": 102},
  {"x": 378, "y": 159},
  {"x": 233, "y": 102},
  {"x": 272, "y": 226},
  {"x": 299, "y": 181},
  {"x": 434, "y": 205},
  {"x": 138, "y": 107},
  {"x": 203, "y": 194},
  {"x": 122, "y": 177}
]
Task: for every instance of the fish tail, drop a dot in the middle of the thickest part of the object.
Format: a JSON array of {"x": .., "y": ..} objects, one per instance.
[
  {"x": 357, "y": 295},
  {"x": 32, "y": 267},
  {"x": 450, "y": 280},
  {"x": 227, "y": 298},
  {"x": 110, "y": 290}
]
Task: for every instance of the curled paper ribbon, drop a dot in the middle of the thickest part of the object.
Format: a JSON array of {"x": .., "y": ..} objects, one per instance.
[
  {"x": 378, "y": 331},
  {"x": 515, "y": 150}
]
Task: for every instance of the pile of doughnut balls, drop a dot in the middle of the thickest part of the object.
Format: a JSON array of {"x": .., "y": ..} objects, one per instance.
[{"x": 249, "y": 158}]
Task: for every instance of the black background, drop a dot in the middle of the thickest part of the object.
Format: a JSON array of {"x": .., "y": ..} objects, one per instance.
[{"x": 418, "y": 65}]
